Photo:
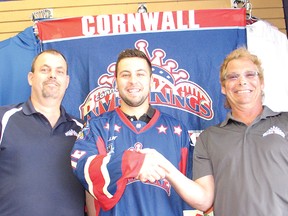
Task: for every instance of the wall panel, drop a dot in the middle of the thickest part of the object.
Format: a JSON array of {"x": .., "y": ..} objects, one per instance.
[{"x": 15, "y": 16}]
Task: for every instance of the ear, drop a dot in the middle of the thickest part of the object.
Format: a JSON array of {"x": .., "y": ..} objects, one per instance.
[
  {"x": 223, "y": 90},
  {"x": 116, "y": 84},
  {"x": 30, "y": 78},
  {"x": 67, "y": 81},
  {"x": 151, "y": 81},
  {"x": 262, "y": 85}
]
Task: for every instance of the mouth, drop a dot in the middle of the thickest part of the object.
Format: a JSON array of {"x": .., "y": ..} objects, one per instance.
[
  {"x": 134, "y": 90},
  {"x": 243, "y": 91},
  {"x": 51, "y": 83}
]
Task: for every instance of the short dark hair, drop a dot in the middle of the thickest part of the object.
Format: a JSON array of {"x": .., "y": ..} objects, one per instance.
[
  {"x": 51, "y": 51},
  {"x": 130, "y": 53}
]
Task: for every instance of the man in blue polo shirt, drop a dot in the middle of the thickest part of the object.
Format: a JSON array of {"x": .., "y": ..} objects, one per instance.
[{"x": 36, "y": 138}]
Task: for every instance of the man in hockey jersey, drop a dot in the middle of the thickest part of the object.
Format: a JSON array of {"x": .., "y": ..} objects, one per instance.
[
  {"x": 115, "y": 155},
  {"x": 36, "y": 138}
]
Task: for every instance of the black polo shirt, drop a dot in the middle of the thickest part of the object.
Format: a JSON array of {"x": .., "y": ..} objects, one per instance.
[{"x": 36, "y": 177}]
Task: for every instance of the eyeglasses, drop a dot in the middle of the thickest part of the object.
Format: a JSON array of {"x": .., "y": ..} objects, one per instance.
[{"x": 235, "y": 76}]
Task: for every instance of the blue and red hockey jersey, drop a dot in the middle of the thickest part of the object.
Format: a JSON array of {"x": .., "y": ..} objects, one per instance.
[{"x": 104, "y": 161}]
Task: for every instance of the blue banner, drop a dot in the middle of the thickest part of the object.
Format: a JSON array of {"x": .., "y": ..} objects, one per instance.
[{"x": 186, "y": 59}]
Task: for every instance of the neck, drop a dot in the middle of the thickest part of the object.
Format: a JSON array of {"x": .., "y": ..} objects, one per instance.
[
  {"x": 50, "y": 109},
  {"x": 135, "y": 111},
  {"x": 246, "y": 115}
]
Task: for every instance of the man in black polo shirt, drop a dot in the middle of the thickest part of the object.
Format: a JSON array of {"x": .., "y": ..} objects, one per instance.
[{"x": 36, "y": 138}]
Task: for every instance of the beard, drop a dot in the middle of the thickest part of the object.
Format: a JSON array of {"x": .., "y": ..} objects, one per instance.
[
  {"x": 133, "y": 103},
  {"x": 51, "y": 91}
]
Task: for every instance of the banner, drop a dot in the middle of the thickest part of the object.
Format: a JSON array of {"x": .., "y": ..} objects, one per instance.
[{"x": 186, "y": 49}]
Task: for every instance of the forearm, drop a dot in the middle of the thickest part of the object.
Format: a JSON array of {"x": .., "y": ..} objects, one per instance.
[{"x": 198, "y": 194}]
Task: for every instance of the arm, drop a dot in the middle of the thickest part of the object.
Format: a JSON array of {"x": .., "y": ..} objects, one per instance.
[
  {"x": 150, "y": 169},
  {"x": 198, "y": 194},
  {"x": 90, "y": 206},
  {"x": 102, "y": 172}
]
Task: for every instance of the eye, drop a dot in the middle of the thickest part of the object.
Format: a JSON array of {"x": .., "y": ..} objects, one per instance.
[
  {"x": 44, "y": 70},
  {"x": 124, "y": 75},
  {"x": 232, "y": 76},
  {"x": 141, "y": 74},
  {"x": 251, "y": 74}
]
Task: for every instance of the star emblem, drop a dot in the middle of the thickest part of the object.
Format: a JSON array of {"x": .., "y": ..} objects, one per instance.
[
  {"x": 162, "y": 129},
  {"x": 106, "y": 126},
  {"x": 117, "y": 128},
  {"x": 177, "y": 130}
]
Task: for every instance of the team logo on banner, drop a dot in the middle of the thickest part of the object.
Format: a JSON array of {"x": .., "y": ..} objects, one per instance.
[{"x": 171, "y": 87}]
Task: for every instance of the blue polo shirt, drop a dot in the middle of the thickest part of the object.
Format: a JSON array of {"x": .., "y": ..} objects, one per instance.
[{"x": 36, "y": 177}]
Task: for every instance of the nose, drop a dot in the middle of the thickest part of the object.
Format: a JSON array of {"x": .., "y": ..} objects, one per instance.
[
  {"x": 133, "y": 78},
  {"x": 52, "y": 73},
  {"x": 242, "y": 80}
]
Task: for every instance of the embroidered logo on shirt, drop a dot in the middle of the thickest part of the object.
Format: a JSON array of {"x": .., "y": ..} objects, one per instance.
[
  {"x": 274, "y": 130},
  {"x": 71, "y": 132}
]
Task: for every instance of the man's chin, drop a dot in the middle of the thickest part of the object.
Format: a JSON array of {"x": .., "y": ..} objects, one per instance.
[{"x": 50, "y": 95}]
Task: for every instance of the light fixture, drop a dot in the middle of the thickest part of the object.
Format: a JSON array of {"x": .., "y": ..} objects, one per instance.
[{"x": 142, "y": 8}]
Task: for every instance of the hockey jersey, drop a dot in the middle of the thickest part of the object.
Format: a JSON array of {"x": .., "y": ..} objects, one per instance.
[{"x": 105, "y": 161}]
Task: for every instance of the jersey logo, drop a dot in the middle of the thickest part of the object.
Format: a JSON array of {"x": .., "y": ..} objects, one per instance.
[
  {"x": 171, "y": 87},
  {"x": 112, "y": 138},
  {"x": 162, "y": 184},
  {"x": 84, "y": 132}
]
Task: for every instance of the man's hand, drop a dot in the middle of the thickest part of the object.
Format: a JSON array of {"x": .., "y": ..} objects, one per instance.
[{"x": 151, "y": 169}]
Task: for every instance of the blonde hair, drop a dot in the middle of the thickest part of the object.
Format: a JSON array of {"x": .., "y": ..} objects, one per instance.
[{"x": 238, "y": 53}]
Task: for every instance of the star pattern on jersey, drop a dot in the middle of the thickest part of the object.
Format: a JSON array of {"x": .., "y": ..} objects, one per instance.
[
  {"x": 177, "y": 130},
  {"x": 117, "y": 128},
  {"x": 107, "y": 126},
  {"x": 162, "y": 129}
]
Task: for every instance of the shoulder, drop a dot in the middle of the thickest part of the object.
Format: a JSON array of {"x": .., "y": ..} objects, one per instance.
[
  {"x": 280, "y": 117},
  {"x": 79, "y": 122},
  {"x": 172, "y": 121},
  {"x": 11, "y": 106},
  {"x": 213, "y": 130},
  {"x": 10, "y": 109},
  {"x": 169, "y": 117},
  {"x": 268, "y": 113},
  {"x": 103, "y": 118},
  {"x": 284, "y": 114}
]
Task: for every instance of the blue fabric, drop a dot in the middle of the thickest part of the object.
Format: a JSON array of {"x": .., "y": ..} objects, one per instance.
[
  {"x": 196, "y": 56},
  {"x": 16, "y": 55}
]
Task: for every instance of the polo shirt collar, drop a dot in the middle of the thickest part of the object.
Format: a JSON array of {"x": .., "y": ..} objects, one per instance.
[
  {"x": 267, "y": 112},
  {"x": 28, "y": 109},
  {"x": 146, "y": 117}
]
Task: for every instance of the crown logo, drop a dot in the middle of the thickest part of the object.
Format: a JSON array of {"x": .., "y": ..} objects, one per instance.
[{"x": 171, "y": 87}]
